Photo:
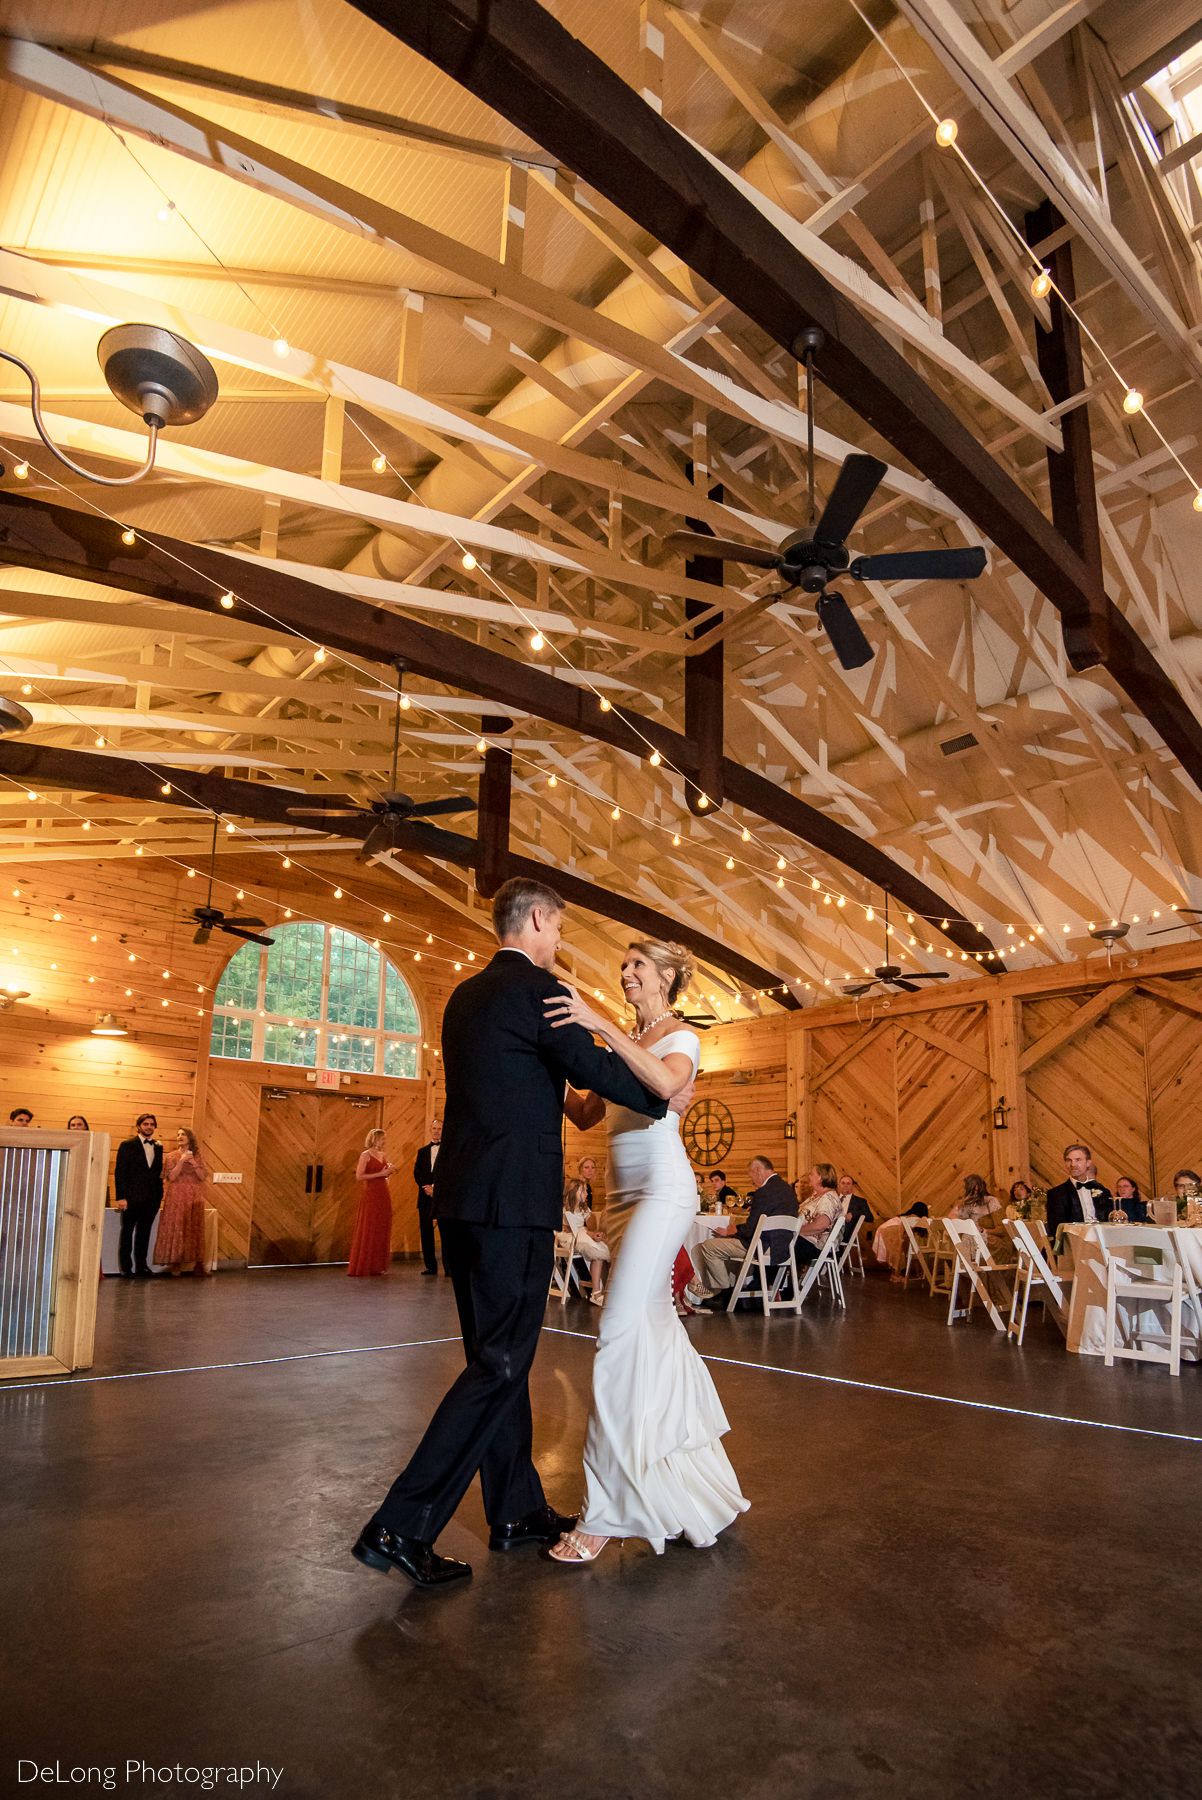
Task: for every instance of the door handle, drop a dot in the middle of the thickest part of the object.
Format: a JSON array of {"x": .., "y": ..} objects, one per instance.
[
  {"x": 309, "y": 1178},
  {"x": 320, "y": 1174}
]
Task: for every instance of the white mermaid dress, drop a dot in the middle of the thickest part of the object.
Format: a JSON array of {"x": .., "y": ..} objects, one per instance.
[{"x": 653, "y": 1457}]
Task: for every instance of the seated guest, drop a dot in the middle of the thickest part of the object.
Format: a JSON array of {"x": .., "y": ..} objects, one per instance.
[
  {"x": 720, "y": 1257},
  {"x": 857, "y": 1206},
  {"x": 586, "y": 1168},
  {"x": 580, "y": 1223},
  {"x": 1186, "y": 1182},
  {"x": 724, "y": 1196},
  {"x": 889, "y": 1242},
  {"x": 1079, "y": 1199},
  {"x": 1020, "y": 1195},
  {"x": 985, "y": 1210},
  {"x": 20, "y": 1115},
  {"x": 819, "y": 1213},
  {"x": 1128, "y": 1199}
]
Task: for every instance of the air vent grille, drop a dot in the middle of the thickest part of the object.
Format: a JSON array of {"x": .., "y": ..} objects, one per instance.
[{"x": 953, "y": 746}]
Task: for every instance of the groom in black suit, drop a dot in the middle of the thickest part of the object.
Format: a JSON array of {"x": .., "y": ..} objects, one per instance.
[
  {"x": 138, "y": 1194},
  {"x": 498, "y": 1198}
]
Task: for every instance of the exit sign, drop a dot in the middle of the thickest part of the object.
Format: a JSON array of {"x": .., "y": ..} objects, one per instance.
[{"x": 328, "y": 1078}]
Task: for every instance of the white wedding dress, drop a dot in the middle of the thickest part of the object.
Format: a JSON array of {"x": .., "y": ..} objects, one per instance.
[{"x": 653, "y": 1457}]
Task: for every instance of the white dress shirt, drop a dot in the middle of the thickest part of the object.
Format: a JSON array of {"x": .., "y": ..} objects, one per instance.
[
  {"x": 1085, "y": 1196},
  {"x": 148, "y": 1146}
]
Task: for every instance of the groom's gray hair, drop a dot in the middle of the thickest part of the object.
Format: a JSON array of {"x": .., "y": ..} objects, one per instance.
[{"x": 516, "y": 900}]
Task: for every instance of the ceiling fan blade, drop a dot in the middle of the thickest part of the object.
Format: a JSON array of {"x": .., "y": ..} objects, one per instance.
[
  {"x": 382, "y": 836},
  {"x": 850, "y": 645},
  {"x": 855, "y": 484},
  {"x": 907, "y": 986},
  {"x": 203, "y": 935},
  {"x": 454, "y": 804},
  {"x": 246, "y": 924},
  {"x": 324, "y": 812},
  {"x": 252, "y": 937},
  {"x": 921, "y": 565},
  {"x": 936, "y": 975},
  {"x": 696, "y": 543},
  {"x": 853, "y": 993}
]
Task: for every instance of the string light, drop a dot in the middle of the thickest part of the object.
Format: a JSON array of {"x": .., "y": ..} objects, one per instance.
[
  {"x": 379, "y": 464},
  {"x": 227, "y": 600},
  {"x": 605, "y": 706},
  {"x": 946, "y": 133},
  {"x": 552, "y": 780},
  {"x": 27, "y": 687},
  {"x": 537, "y": 641},
  {"x": 163, "y": 215},
  {"x": 287, "y": 862},
  {"x": 1133, "y": 401},
  {"x": 165, "y": 789},
  {"x": 1041, "y": 285},
  {"x": 282, "y": 348},
  {"x": 100, "y": 743},
  {"x": 747, "y": 838},
  {"x": 703, "y": 801},
  {"x": 616, "y": 813},
  {"x": 468, "y": 560},
  {"x": 338, "y": 893},
  {"x": 730, "y": 862},
  {"x": 129, "y": 536},
  {"x": 656, "y": 759},
  {"x": 21, "y": 471},
  {"x": 319, "y": 655}
]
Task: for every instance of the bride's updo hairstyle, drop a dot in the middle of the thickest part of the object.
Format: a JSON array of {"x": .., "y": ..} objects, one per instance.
[{"x": 673, "y": 962}]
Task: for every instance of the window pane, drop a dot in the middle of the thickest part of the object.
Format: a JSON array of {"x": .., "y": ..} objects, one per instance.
[
  {"x": 290, "y": 1044},
  {"x": 239, "y": 985},
  {"x": 231, "y": 1037},
  {"x": 400, "y": 1059},
  {"x": 400, "y": 1014},
  {"x": 349, "y": 1051},
  {"x": 293, "y": 985},
  {"x": 354, "y": 982}
]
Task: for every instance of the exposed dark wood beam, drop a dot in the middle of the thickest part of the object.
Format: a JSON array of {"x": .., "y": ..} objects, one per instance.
[
  {"x": 37, "y": 535},
  {"x": 519, "y": 60},
  {"x": 39, "y": 765},
  {"x": 705, "y": 684}
]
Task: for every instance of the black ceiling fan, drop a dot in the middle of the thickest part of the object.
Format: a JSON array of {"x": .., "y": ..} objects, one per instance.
[
  {"x": 818, "y": 554},
  {"x": 387, "y": 817},
  {"x": 890, "y": 975},
  {"x": 210, "y": 918},
  {"x": 1187, "y": 924}
]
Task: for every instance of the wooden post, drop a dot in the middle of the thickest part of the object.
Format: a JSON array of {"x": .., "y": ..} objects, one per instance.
[
  {"x": 797, "y": 1090},
  {"x": 1011, "y": 1147}
]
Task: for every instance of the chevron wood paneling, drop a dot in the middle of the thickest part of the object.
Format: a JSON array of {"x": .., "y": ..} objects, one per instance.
[
  {"x": 942, "y": 1110},
  {"x": 855, "y": 1112},
  {"x": 1173, "y": 1041},
  {"x": 341, "y": 1130},
  {"x": 1092, "y": 1090},
  {"x": 408, "y": 1110}
]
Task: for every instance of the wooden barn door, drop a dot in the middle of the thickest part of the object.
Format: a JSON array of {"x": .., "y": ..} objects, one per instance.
[
  {"x": 943, "y": 1114},
  {"x": 280, "y": 1210},
  {"x": 342, "y": 1126},
  {"x": 853, "y": 1112}
]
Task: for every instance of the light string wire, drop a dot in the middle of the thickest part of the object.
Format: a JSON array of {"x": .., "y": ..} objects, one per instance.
[
  {"x": 1043, "y": 280},
  {"x": 382, "y": 462}
]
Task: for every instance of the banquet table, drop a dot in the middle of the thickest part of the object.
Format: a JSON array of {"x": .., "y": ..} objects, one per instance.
[
  {"x": 703, "y": 1226},
  {"x": 1085, "y": 1334}
]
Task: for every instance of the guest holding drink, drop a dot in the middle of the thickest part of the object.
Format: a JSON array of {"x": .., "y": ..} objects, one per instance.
[
  {"x": 181, "y": 1240},
  {"x": 1129, "y": 1201},
  {"x": 371, "y": 1246}
]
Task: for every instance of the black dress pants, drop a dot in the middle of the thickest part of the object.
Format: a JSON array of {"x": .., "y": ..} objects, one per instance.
[
  {"x": 136, "y": 1220},
  {"x": 425, "y": 1222},
  {"x": 483, "y": 1422}
]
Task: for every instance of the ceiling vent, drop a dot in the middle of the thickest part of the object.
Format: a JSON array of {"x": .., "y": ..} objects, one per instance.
[{"x": 954, "y": 746}]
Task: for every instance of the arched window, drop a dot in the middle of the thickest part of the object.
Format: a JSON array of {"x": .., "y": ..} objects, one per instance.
[{"x": 320, "y": 998}]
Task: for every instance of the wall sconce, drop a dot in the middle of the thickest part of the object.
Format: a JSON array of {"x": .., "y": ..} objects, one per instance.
[
  {"x": 791, "y": 1128},
  {"x": 109, "y": 1025},
  {"x": 157, "y": 374},
  {"x": 999, "y": 1114}
]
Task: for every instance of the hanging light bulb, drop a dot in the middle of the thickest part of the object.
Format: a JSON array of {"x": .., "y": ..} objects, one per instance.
[
  {"x": 282, "y": 348},
  {"x": 227, "y": 600},
  {"x": 468, "y": 560},
  {"x": 746, "y": 835},
  {"x": 869, "y": 916},
  {"x": 379, "y": 464},
  {"x": 319, "y": 655},
  {"x": 1041, "y": 285},
  {"x": 730, "y": 862},
  {"x": 1133, "y": 401},
  {"x": 481, "y": 746},
  {"x": 27, "y": 687},
  {"x": 780, "y": 881},
  {"x": 946, "y": 133},
  {"x": 656, "y": 759},
  {"x": 163, "y": 215},
  {"x": 287, "y": 862},
  {"x": 605, "y": 706},
  {"x": 537, "y": 641},
  {"x": 229, "y": 830},
  {"x": 780, "y": 862},
  {"x": 100, "y": 743},
  {"x": 552, "y": 780},
  {"x": 406, "y": 703},
  {"x": 1198, "y": 501},
  {"x": 129, "y": 535},
  {"x": 165, "y": 789},
  {"x": 675, "y": 839},
  {"x": 842, "y": 900},
  {"x": 21, "y": 471},
  {"x": 616, "y": 813},
  {"x": 338, "y": 893},
  {"x": 703, "y": 801},
  {"x": 387, "y": 918}
]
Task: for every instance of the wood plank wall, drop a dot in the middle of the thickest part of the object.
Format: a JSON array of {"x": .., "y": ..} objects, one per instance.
[
  {"x": 74, "y": 928},
  {"x": 903, "y": 1097}
]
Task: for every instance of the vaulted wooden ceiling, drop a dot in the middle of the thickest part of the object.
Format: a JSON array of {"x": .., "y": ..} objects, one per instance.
[{"x": 435, "y": 342}]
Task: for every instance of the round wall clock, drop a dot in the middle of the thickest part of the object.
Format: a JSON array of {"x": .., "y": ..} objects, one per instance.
[{"x": 708, "y": 1132}]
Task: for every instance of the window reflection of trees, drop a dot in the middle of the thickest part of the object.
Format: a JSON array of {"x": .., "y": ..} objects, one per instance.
[{"x": 320, "y": 997}]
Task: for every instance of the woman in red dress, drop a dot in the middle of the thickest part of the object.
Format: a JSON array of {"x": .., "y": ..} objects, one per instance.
[
  {"x": 181, "y": 1239},
  {"x": 371, "y": 1246}
]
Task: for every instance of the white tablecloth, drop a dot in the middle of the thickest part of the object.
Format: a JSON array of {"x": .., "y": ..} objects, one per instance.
[
  {"x": 1086, "y": 1332},
  {"x": 703, "y": 1226}
]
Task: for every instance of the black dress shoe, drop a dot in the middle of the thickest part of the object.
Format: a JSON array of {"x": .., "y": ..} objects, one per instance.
[
  {"x": 543, "y": 1526},
  {"x": 379, "y": 1548},
  {"x": 429, "y": 1271}
]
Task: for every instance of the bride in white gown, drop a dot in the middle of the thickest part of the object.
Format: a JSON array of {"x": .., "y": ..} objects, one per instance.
[{"x": 653, "y": 1457}]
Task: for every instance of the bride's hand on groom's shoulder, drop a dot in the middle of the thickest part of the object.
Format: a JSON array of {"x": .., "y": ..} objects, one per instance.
[{"x": 568, "y": 1008}]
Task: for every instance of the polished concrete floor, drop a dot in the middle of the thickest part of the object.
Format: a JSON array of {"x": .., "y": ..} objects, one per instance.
[{"x": 967, "y": 1569}]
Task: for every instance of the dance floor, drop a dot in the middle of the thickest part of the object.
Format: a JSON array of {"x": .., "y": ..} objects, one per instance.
[{"x": 967, "y": 1569}]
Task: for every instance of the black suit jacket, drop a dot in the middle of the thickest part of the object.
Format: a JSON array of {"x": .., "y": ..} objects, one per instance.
[
  {"x": 1064, "y": 1208},
  {"x": 134, "y": 1180},
  {"x": 505, "y": 1065},
  {"x": 775, "y": 1199},
  {"x": 423, "y": 1171}
]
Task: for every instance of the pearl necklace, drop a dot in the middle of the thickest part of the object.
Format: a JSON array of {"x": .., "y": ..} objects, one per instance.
[{"x": 636, "y": 1037}]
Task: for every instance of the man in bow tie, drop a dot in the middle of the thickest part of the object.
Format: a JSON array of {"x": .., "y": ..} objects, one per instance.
[{"x": 1080, "y": 1199}]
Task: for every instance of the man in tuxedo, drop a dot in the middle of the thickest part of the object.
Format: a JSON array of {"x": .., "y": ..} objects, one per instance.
[
  {"x": 498, "y": 1198},
  {"x": 138, "y": 1194},
  {"x": 1080, "y": 1199},
  {"x": 720, "y": 1256},
  {"x": 423, "y": 1174}
]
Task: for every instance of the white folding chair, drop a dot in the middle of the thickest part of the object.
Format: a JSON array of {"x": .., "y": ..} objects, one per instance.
[
  {"x": 563, "y": 1269},
  {"x": 1191, "y": 1296},
  {"x": 1035, "y": 1271},
  {"x": 851, "y": 1249},
  {"x": 1143, "y": 1271},
  {"x": 769, "y": 1278},
  {"x": 974, "y": 1260},
  {"x": 825, "y": 1266},
  {"x": 932, "y": 1253}
]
